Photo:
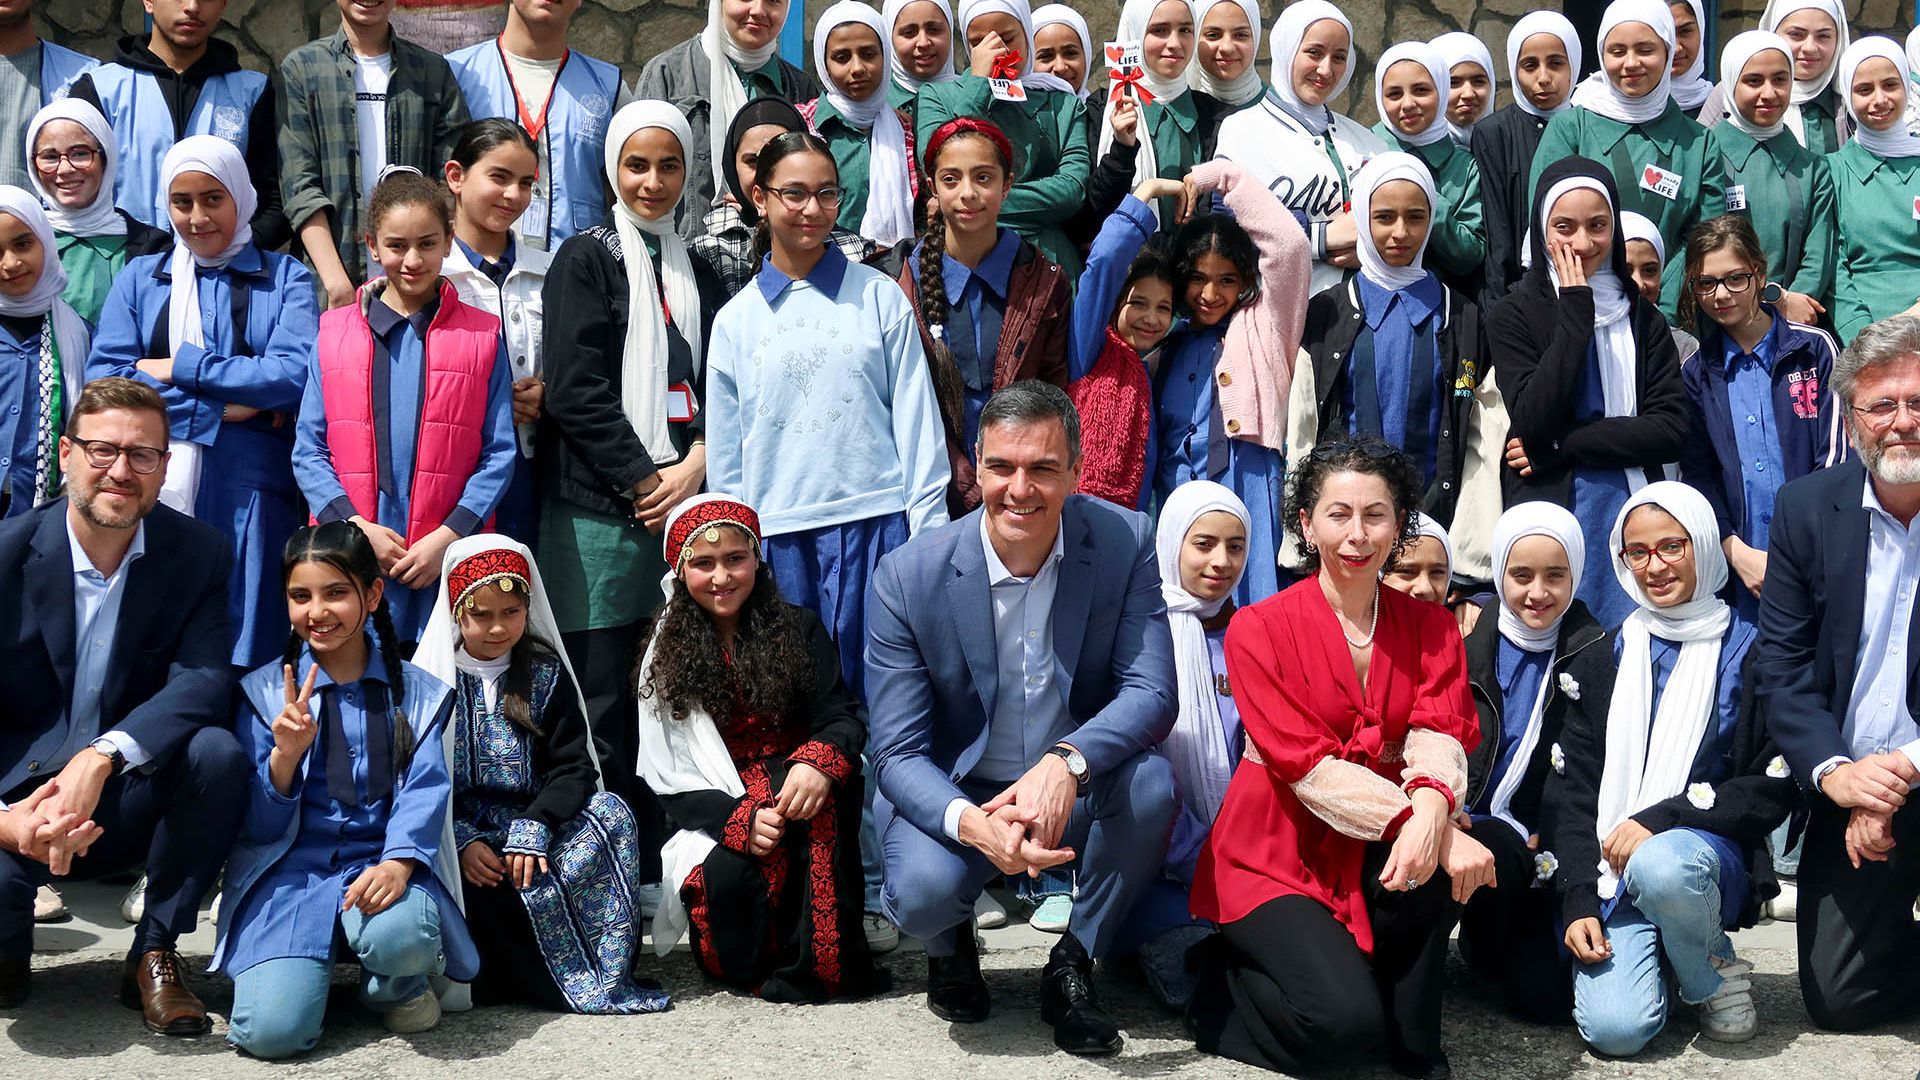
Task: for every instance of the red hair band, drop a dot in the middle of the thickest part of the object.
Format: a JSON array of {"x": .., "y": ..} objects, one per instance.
[
  {"x": 495, "y": 566},
  {"x": 969, "y": 125}
]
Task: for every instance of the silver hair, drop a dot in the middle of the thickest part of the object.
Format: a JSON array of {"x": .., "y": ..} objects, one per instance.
[{"x": 1881, "y": 343}]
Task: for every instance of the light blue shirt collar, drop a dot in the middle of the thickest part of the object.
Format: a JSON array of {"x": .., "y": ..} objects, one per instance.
[
  {"x": 83, "y": 563},
  {"x": 997, "y": 572}
]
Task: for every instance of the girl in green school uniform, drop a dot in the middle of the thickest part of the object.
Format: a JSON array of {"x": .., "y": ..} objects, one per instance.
[
  {"x": 1625, "y": 118},
  {"x": 1167, "y": 138},
  {"x": 1785, "y": 189},
  {"x": 1816, "y": 34},
  {"x": 1049, "y": 124},
  {"x": 1876, "y": 178},
  {"x": 853, "y": 56},
  {"x": 1410, "y": 93},
  {"x": 922, "y": 32}
]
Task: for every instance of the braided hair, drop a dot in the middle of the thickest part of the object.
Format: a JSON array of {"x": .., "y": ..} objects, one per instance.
[
  {"x": 342, "y": 546},
  {"x": 936, "y": 308}
]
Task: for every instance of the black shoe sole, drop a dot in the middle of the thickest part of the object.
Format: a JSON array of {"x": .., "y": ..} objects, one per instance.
[
  {"x": 179, "y": 1029},
  {"x": 959, "y": 1016}
]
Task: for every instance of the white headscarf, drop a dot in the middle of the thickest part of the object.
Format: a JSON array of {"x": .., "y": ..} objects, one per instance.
[
  {"x": 1542, "y": 22},
  {"x": 1804, "y": 91},
  {"x": 1288, "y": 31},
  {"x": 1384, "y": 168},
  {"x": 1734, "y": 59},
  {"x": 1196, "y": 747},
  {"x": 98, "y": 218},
  {"x": 1428, "y": 57},
  {"x": 903, "y": 78},
  {"x": 1460, "y": 48},
  {"x": 1249, "y": 86},
  {"x": 1020, "y": 10},
  {"x": 889, "y": 215},
  {"x": 1519, "y": 522},
  {"x": 1134, "y": 18},
  {"x": 1612, "y": 329},
  {"x": 1650, "y": 753},
  {"x": 1690, "y": 87},
  {"x": 643, "y": 354},
  {"x": 1898, "y": 141},
  {"x": 1597, "y": 93},
  {"x": 1913, "y": 53},
  {"x": 64, "y": 340},
  {"x": 1062, "y": 15},
  {"x": 53, "y": 277},
  {"x": 727, "y": 61},
  {"x": 1425, "y": 524},
  {"x": 221, "y": 160},
  {"x": 1636, "y": 226}
]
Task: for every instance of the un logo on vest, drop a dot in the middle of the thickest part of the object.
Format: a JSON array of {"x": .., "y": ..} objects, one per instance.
[
  {"x": 596, "y": 108},
  {"x": 229, "y": 122}
]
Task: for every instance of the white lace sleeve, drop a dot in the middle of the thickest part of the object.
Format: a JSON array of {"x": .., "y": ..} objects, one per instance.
[
  {"x": 1354, "y": 799},
  {"x": 1438, "y": 757}
]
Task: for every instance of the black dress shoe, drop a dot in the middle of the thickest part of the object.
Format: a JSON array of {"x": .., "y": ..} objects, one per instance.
[
  {"x": 955, "y": 991},
  {"x": 15, "y": 978},
  {"x": 1420, "y": 1068},
  {"x": 1080, "y": 1025}
]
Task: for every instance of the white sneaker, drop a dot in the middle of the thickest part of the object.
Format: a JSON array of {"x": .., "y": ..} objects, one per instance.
[
  {"x": 1729, "y": 1015},
  {"x": 1054, "y": 914},
  {"x": 882, "y": 935},
  {"x": 135, "y": 905},
  {"x": 48, "y": 906},
  {"x": 1786, "y": 906},
  {"x": 988, "y": 913},
  {"x": 421, "y": 1012},
  {"x": 454, "y": 997}
]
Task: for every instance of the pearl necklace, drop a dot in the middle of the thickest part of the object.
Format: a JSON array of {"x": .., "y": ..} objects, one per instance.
[{"x": 1373, "y": 626}]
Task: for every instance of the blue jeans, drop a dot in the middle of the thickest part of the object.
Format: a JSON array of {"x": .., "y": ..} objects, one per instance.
[
  {"x": 278, "y": 1005},
  {"x": 1677, "y": 885}
]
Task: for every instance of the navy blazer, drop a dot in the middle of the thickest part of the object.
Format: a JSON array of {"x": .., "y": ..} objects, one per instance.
[
  {"x": 932, "y": 669},
  {"x": 170, "y": 671},
  {"x": 1810, "y": 616}
]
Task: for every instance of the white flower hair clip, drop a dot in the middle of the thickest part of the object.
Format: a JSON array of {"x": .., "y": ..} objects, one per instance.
[
  {"x": 1544, "y": 867},
  {"x": 1570, "y": 686},
  {"x": 1701, "y": 796},
  {"x": 1557, "y": 758},
  {"x": 1777, "y": 768}
]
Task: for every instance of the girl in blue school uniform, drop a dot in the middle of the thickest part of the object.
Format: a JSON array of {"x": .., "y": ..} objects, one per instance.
[
  {"x": 43, "y": 347},
  {"x": 1221, "y": 389},
  {"x": 344, "y": 849},
  {"x": 225, "y": 330},
  {"x": 406, "y": 428}
]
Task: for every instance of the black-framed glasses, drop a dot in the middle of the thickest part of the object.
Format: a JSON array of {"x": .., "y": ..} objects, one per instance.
[
  {"x": 80, "y": 157},
  {"x": 1736, "y": 284},
  {"x": 102, "y": 454},
  {"x": 797, "y": 198},
  {"x": 1671, "y": 550},
  {"x": 1884, "y": 410},
  {"x": 1371, "y": 449}
]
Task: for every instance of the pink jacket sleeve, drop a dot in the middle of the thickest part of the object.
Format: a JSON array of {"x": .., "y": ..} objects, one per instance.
[{"x": 1255, "y": 372}]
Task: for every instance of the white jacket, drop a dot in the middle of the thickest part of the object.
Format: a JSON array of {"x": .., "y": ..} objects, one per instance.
[
  {"x": 516, "y": 304},
  {"x": 1296, "y": 165}
]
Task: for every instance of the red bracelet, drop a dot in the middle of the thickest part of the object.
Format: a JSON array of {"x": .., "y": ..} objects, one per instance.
[{"x": 1419, "y": 782}]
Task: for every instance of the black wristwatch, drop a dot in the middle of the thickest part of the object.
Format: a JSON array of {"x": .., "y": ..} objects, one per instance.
[
  {"x": 1076, "y": 763},
  {"x": 114, "y": 757}
]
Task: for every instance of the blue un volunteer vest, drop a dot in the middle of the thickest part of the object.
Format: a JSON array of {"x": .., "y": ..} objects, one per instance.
[{"x": 144, "y": 127}]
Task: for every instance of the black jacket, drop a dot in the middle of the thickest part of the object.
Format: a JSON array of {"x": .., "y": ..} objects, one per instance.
[
  {"x": 1334, "y": 322},
  {"x": 586, "y": 449},
  {"x": 1579, "y": 633},
  {"x": 271, "y": 230},
  {"x": 1503, "y": 146},
  {"x": 1540, "y": 338}
]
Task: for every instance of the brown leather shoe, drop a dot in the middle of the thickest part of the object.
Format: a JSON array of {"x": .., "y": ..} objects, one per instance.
[{"x": 155, "y": 983}]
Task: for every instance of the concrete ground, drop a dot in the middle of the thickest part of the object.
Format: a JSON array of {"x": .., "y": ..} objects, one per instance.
[{"x": 74, "y": 1026}]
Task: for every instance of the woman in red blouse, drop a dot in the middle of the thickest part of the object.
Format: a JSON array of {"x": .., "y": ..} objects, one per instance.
[{"x": 1332, "y": 868}]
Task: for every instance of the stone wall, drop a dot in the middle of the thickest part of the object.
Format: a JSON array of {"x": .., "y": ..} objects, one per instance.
[{"x": 632, "y": 31}]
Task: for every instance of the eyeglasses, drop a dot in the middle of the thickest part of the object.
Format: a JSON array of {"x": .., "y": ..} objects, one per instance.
[
  {"x": 1671, "y": 550},
  {"x": 1371, "y": 449},
  {"x": 80, "y": 157},
  {"x": 1882, "y": 412},
  {"x": 102, "y": 454},
  {"x": 797, "y": 198},
  {"x": 1736, "y": 283}
]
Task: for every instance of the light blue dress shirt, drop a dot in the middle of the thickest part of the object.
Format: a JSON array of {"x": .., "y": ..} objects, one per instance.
[
  {"x": 1756, "y": 432},
  {"x": 1877, "y": 717},
  {"x": 96, "y": 619}
]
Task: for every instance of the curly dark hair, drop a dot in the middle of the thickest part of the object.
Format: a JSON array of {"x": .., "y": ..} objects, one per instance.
[
  {"x": 1213, "y": 234},
  {"x": 1366, "y": 454},
  {"x": 770, "y": 671}
]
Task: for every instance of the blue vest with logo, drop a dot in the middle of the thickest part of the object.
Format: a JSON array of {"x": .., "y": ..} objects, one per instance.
[
  {"x": 144, "y": 127},
  {"x": 59, "y": 66},
  {"x": 584, "y": 96}
]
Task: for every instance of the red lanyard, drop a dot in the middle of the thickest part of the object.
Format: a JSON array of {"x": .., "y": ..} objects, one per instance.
[{"x": 533, "y": 126}]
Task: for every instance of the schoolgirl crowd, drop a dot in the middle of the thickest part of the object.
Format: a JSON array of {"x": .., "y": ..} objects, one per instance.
[{"x": 502, "y": 664}]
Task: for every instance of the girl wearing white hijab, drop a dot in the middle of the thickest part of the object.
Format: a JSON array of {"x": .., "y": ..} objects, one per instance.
[
  {"x": 1410, "y": 93},
  {"x": 1296, "y": 145},
  {"x": 1049, "y": 126},
  {"x": 1875, "y": 174},
  {"x": 1691, "y": 87},
  {"x": 629, "y": 381},
  {"x": 1166, "y": 135},
  {"x": 1659, "y": 802},
  {"x": 1525, "y": 666},
  {"x": 95, "y": 238},
  {"x": 44, "y": 343},
  {"x": 1626, "y": 117},
  {"x": 1646, "y": 255},
  {"x": 868, "y": 135},
  {"x": 1424, "y": 567},
  {"x": 1543, "y": 59},
  {"x": 1913, "y": 87},
  {"x": 1786, "y": 190},
  {"x": 1392, "y": 349},
  {"x": 1816, "y": 34},
  {"x": 1061, "y": 15},
  {"x": 226, "y": 330},
  {"x": 925, "y": 45},
  {"x": 1224, "y": 73},
  {"x": 1589, "y": 371},
  {"x": 719, "y": 69},
  {"x": 1457, "y": 50}
]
